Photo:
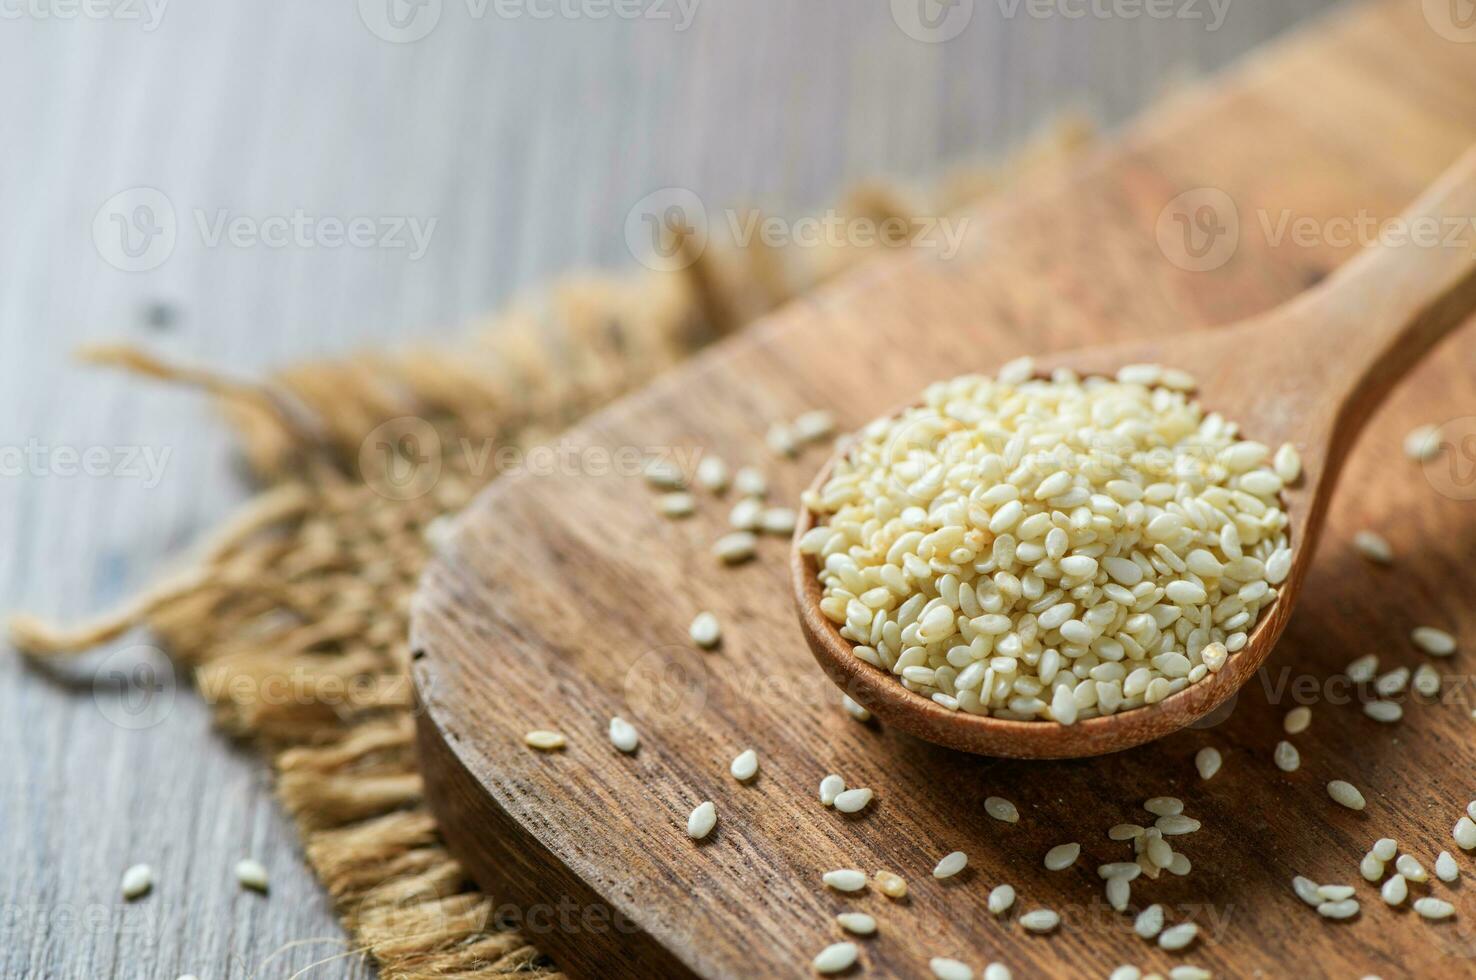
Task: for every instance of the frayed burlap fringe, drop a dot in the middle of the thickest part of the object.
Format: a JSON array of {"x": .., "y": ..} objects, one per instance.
[{"x": 293, "y": 616}]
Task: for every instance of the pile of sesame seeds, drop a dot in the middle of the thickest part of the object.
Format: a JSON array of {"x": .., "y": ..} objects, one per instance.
[{"x": 1051, "y": 549}]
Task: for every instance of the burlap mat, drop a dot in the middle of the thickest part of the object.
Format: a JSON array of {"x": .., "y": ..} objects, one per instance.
[{"x": 292, "y": 617}]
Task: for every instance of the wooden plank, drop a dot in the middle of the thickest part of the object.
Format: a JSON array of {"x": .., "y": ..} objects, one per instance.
[{"x": 565, "y": 600}]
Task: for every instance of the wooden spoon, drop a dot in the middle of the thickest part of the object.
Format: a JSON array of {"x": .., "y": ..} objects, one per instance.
[{"x": 1309, "y": 372}]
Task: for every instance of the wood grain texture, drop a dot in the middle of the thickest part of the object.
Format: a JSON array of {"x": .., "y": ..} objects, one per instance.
[
  {"x": 1365, "y": 326},
  {"x": 563, "y": 601},
  {"x": 527, "y": 140}
]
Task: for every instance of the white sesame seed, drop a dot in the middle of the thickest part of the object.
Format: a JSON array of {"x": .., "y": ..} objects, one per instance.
[
  {"x": 1040, "y": 920},
  {"x": 1164, "y": 806},
  {"x": 1000, "y": 899},
  {"x": 1395, "y": 890},
  {"x": 1306, "y": 890},
  {"x": 1178, "y": 937},
  {"x": 853, "y": 800},
  {"x": 1188, "y": 972},
  {"x": 1287, "y": 463},
  {"x": 813, "y": 426},
  {"x": 1001, "y": 809},
  {"x": 891, "y": 885},
  {"x": 732, "y": 549},
  {"x": 137, "y": 881},
  {"x": 1385, "y": 848},
  {"x": 780, "y": 440},
  {"x": 835, "y": 958},
  {"x": 845, "y": 880},
  {"x": 1392, "y": 683},
  {"x": 1471, "y": 809},
  {"x": 1343, "y": 909},
  {"x": 252, "y": 874},
  {"x": 858, "y": 923},
  {"x": 1345, "y": 794},
  {"x": 1411, "y": 869},
  {"x": 1179, "y": 865},
  {"x": 745, "y": 766},
  {"x": 706, "y": 631},
  {"x": 1016, "y": 372},
  {"x": 1119, "y": 869},
  {"x": 946, "y": 969},
  {"x": 1126, "y": 972},
  {"x": 1373, "y": 547},
  {"x": 1207, "y": 762},
  {"x": 545, "y": 741},
  {"x": 1297, "y": 720},
  {"x": 1159, "y": 851},
  {"x": 778, "y": 520},
  {"x": 1385, "y": 711},
  {"x": 1149, "y": 922},
  {"x": 1125, "y": 831},
  {"x": 1334, "y": 893},
  {"x": 1119, "y": 893},
  {"x": 1465, "y": 833},
  {"x": 747, "y": 514},
  {"x": 677, "y": 504},
  {"x": 1434, "y": 908},
  {"x": 1362, "y": 670},
  {"x": 855, "y": 710},
  {"x": 665, "y": 475},
  {"x": 712, "y": 474},
  {"x": 702, "y": 820},
  {"x": 1176, "y": 824},
  {"x": 997, "y": 971},
  {"x": 1062, "y": 856},
  {"x": 751, "y": 482},
  {"x": 1435, "y": 642},
  {"x": 1427, "y": 680},
  {"x": 1446, "y": 868},
  {"x": 1286, "y": 757},
  {"x": 1370, "y": 867},
  {"x": 831, "y": 787},
  {"x": 1422, "y": 443},
  {"x": 623, "y": 735},
  {"x": 952, "y": 864}
]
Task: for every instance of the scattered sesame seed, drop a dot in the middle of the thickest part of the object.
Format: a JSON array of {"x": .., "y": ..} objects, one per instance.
[
  {"x": 853, "y": 800},
  {"x": 1362, "y": 670},
  {"x": 1164, "y": 806},
  {"x": 1373, "y": 547},
  {"x": 1465, "y": 833},
  {"x": 1422, "y": 443},
  {"x": 706, "y": 631},
  {"x": 137, "y": 881},
  {"x": 1297, "y": 720},
  {"x": 1062, "y": 856},
  {"x": 1178, "y": 937},
  {"x": 1286, "y": 757},
  {"x": 1306, "y": 890},
  {"x": 831, "y": 787},
  {"x": 1000, "y": 899},
  {"x": 855, "y": 710},
  {"x": 1434, "y": 908},
  {"x": 252, "y": 874},
  {"x": 1040, "y": 920},
  {"x": 712, "y": 474},
  {"x": 735, "y": 548},
  {"x": 702, "y": 820},
  {"x": 745, "y": 766},
  {"x": 545, "y": 741},
  {"x": 1346, "y": 794},
  {"x": 1411, "y": 869},
  {"x": 1342, "y": 909},
  {"x": 1149, "y": 922},
  {"x": 1001, "y": 809},
  {"x": 836, "y": 957},
  {"x": 751, "y": 482},
  {"x": 1207, "y": 762},
  {"x": 946, "y": 969},
  {"x": 845, "y": 880},
  {"x": 1435, "y": 642},
  {"x": 1446, "y": 868},
  {"x": 1385, "y": 848},
  {"x": 951, "y": 865},
  {"x": 1395, "y": 890},
  {"x": 623, "y": 735},
  {"x": 891, "y": 885},
  {"x": 858, "y": 923}
]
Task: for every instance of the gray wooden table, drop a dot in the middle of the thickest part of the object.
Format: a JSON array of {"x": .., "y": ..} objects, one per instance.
[{"x": 525, "y": 130}]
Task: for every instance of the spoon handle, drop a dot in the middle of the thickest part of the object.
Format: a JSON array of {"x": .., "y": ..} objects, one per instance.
[{"x": 1373, "y": 319}]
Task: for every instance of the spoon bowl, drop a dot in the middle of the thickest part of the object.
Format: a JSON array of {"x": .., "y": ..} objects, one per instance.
[{"x": 1310, "y": 373}]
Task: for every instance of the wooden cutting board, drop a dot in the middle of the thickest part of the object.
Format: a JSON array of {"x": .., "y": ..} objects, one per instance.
[{"x": 562, "y": 601}]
